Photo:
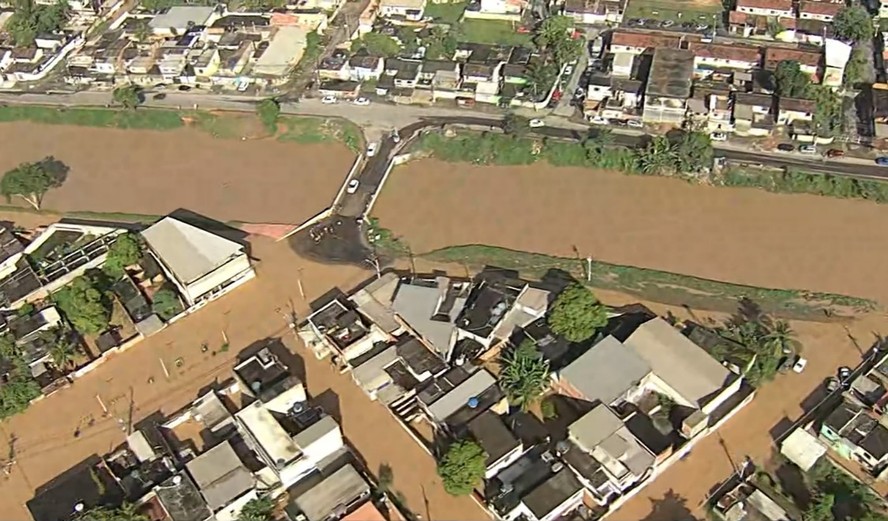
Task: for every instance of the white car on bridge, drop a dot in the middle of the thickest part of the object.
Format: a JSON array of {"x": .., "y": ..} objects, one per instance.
[{"x": 352, "y": 186}]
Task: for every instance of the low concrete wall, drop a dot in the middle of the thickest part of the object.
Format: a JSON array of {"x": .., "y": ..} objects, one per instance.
[{"x": 506, "y": 17}]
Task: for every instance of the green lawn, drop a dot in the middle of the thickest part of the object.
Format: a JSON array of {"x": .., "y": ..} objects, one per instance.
[
  {"x": 446, "y": 13},
  {"x": 677, "y": 11},
  {"x": 94, "y": 117},
  {"x": 493, "y": 32},
  {"x": 319, "y": 130}
]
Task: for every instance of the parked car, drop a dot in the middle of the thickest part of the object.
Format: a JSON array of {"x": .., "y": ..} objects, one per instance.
[
  {"x": 159, "y": 96},
  {"x": 396, "y": 137},
  {"x": 328, "y": 100},
  {"x": 835, "y": 152},
  {"x": 634, "y": 123},
  {"x": 362, "y": 102},
  {"x": 371, "y": 149},
  {"x": 598, "y": 120},
  {"x": 882, "y": 161},
  {"x": 184, "y": 88},
  {"x": 800, "y": 365},
  {"x": 352, "y": 186},
  {"x": 667, "y": 23},
  {"x": 718, "y": 136},
  {"x": 844, "y": 377},
  {"x": 785, "y": 147},
  {"x": 536, "y": 123},
  {"x": 807, "y": 149}
]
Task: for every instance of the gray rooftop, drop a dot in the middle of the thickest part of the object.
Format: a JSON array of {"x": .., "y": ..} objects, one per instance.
[
  {"x": 341, "y": 489},
  {"x": 552, "y": 493},
  {"x": 315, "y": 432},
  {"x": 181, "y": 499},
  {"x": 494, "y": 437},
  {"x": 188, "y": 251},
  {"x": 606, "y": 371},
  {"x": 180, "y": 16},
  {"x": 594, "y": 427},
  {"x": 220, "y": 475},
  {"x": 417, "y": 304},
  {"x": 448, "y": 404},
  {"x": 671, "y": 73},
  {"x": 683, "y": 365}
]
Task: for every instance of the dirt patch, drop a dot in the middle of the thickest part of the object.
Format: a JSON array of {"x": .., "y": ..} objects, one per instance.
[
  {"x": 744, "y": 236},
  {"x": 153, "y": 172}
]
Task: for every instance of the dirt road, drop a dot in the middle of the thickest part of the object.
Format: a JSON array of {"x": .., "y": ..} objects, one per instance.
[
  {"x": 738, "y": 235},
  {"x": 154, "y": 172},
  {"x": 45, "y": 445}
]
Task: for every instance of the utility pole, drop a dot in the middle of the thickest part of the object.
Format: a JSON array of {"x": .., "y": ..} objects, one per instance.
[
  {"x": 299, "y": 282},
  {"x": 588, "y": 269}
]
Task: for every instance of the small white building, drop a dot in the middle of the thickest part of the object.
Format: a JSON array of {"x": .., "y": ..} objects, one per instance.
[
  {"x": 203, "y": 266},
  {"x": 408, "y": 9},
  {"x": 180, "y": 18},
  {"x": 776, "y": 8}
]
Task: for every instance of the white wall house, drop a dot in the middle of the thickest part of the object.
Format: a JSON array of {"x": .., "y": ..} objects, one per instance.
[
  {"x": 203, "y": 266},
  {"x": 408, "y": 9},
  {"x": 775, "y": 8}
]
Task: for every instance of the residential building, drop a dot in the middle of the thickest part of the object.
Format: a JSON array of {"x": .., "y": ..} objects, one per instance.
[
  {"x": 622, "y": 65},
  {"x": 497, "y": 307},
  {"x": 292, "y": 445},
  {"x": 599, "y": 88},
  {"x": 335, "y": 66},
  {"x": 283, "y": 53},
  {"x": 813, "y": 32},
  {"x": 88, "y": 485},
  {"x": 365, "y": 68},
  {"x": 224, "y": 482},
  {"x": 499, "y": 443},
  {"x": 633, "y": 42},
  {"x": 323, "y": 498},
  {"x": 395, "y": 372},
  {"x": 772, "y": 8},
  {"x": 791, "y": 110},
  {"x": 836, "y": 56},
  {"x": 856, "y": 434},
  {"x": 407, "y": 9},
  {"x": 340, "y": 329},
  {"x": 266, "y": 379},
  {"x": 668, "y": 87},
  {"x": 716, "y": 104},
  {"x": 459, "y": 395},
  {"x": 401, "y": 74},
  {"x": 745, "y": 501},
  {"x": 593, "y": 12},
  {"x": 809, "y": 60},
  {"x": 430, "y": 308},
  {"x": 536, "y": 487},
  {"x": 753, "y": 114},
  {"x": 181, "y": 500},
  {"x": 179, "y": 19},
  {"x": 203, "y": 265},
  {"x": 499, "y": 8},
  {"x": 819, "y": 10},
  {"x": 803, "y": 448},
  {"x": 718, "y": 56}
]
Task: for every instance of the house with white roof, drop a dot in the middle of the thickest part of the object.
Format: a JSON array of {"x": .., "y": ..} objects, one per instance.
[{"x": 203, "y": 266}]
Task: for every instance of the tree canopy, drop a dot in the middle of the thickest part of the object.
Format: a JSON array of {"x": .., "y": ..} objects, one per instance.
[
  {"x": 258, "y": 509},
  {"x": 554, "y": 36},
  {"x": 855, "y": 69},
  {"x": 269, "y": 110},
  {"x": 31, "y": 181},
  {"x": 766, "y": 341},
  {"x": 525, "y": 374},
  {"x": 378, "y": 44},
  {"x": 126, "y": 512},
  {"x": 576, "y": 314},
  {"x": 84, "y": 305},
  {"x": 130, "y": 96},
  {"x": 20, "y": 387},
  {"x": 440, "y": 44},
  {"x": 515, "y": 125},
  {"x": 125, "y": 251},
  {"x": 790, "y": 81},
  {"x": 658, "y": 157},
  {"x": 853, "y": 23},
  {"x": 693, "y": 151},
  {"x": 540, "y": 77},
  {"x": 166, "y": 304},
  {"x": 462, "y": 468},
  {"x": 828, "y": 117},
  {"x": 30, "y": 20}
]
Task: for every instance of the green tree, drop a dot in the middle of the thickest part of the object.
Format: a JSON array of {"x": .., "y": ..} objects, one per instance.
[
  {"x": 440, "y": 44},
  {"x": 853, "y": 23},
  {"x": 142, "y": 32},
  {"x": 525, "y": 374},
  {"x": 19, "y": 389},
  {"x": 378, "y": 44},
  {"x": 31, "y": 181},
  {"x": 269, "y": 110},
  {"x": 515, "y": 125},
  {"x": 166, "y": 304},
  {"x": 790, "y": 80},
  {"x": 658, "y": 157},
  {"x": 62, "y": 346},
  {"x": 693, "y": 151},
  {"x": 540, "y": 77},
  {"x": 821, "y": 508},
  {"x": 130, "y": 96},
  {"x": 576, "y": 314},
  {"x": 125, "y": 251},
  {"x": 554, "y": 36},
  {"x": 462, "y": 468},
  {"x": 259, "y": 509},
  {"x": 30, "y": 20},
  {"x": 386, "y": 477},
  {"x": 828, "y": 117},
  {"x": 855, "y": 69},
  {"x": 126, "y": 512},
  {"x": 84, "y": 306},
  {"x": 408, "y": 39}
]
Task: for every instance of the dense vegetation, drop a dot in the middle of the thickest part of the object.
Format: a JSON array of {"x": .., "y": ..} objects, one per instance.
[
  {"x": 795, "y": 181},
  {"x": 84, "y": 304},
  {"x": 30, "y": 20},
  {"x": 576, "y": 314},
  {"x": 462, "y": 467},
  {"x": 525, "y": 374},
  {"x": 20, "y": 387}
]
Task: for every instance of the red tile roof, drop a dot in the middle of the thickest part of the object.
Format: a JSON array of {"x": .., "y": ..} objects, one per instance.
[
  {"x": 729, "y": 52},
  {"x": 777, "y": 5},
  {"x": 775, "y": 55},
  {"x": 738, "y": 18},
  {"x": 644, "y": 40},
  {"x": 820, "y": 8}
]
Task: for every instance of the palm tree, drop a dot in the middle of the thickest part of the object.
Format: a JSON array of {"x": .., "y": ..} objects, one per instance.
[
  {"x": 781, "y": 337},
  {"x": 62, "y": 346},
  {"x": 658, "y": 157},
  {"x": 525, "y": 374},
  {"x": 126, "y": 512},
  {"x": 598, "y": 142},
  {"x": 540, "y": 77}
]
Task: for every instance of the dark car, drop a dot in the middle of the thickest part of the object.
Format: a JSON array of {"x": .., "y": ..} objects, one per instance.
[
  {"x": 882, "y": 161},
  {"x": 160, "y": 96},
  {"x": 184, "y": 88},
  {"x": 844, "y": 376},
  {"x": 785, "y": 147},
  {"x": 834, "y": 152}
]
